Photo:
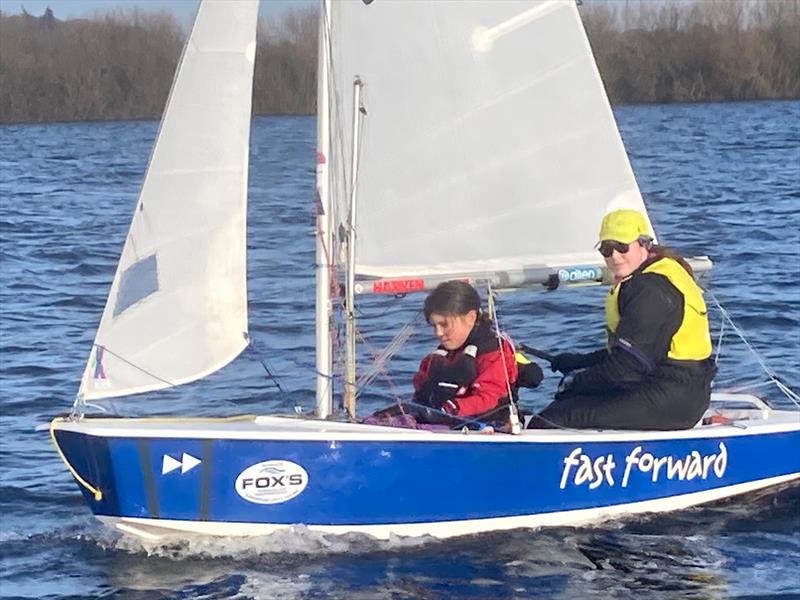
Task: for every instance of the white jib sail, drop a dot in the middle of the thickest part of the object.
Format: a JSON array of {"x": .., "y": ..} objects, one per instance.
[
  {"x": 177, "y": 309},
  {"x": 488, "y": 141}
]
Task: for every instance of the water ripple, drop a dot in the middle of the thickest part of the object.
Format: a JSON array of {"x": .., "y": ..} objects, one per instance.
[{"x": 719, "y": 179}]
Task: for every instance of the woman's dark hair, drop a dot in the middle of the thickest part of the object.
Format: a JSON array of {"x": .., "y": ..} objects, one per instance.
[
  {"x": 657, "y": 251},
  {"x": 452, "y": 299}
]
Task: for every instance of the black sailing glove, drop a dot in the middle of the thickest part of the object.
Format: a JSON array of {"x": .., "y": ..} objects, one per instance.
[
  {"x": 564, "y": 387},
  {"x": 529, "y": 375},
  {"x": 568, "y": 361},
  {"x": 447, "y": 375}
]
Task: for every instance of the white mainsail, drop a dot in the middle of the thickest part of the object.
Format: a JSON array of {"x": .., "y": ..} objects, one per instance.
[
  {"x": 488, "y": 142},
  {"x": 177, "y": 309}
]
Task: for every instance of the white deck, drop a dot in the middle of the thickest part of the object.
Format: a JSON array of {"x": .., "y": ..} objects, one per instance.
[{"x": 755, "y": 420}]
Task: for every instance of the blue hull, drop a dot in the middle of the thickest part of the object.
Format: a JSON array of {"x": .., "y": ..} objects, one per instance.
[{"x": 441, "y": 478}]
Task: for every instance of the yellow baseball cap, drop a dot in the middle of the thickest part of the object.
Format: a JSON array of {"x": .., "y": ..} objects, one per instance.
[{"x": 624, "y": 225}]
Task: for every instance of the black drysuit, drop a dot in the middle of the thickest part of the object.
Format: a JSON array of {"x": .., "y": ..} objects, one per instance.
[{"x": 635, "y": 385}]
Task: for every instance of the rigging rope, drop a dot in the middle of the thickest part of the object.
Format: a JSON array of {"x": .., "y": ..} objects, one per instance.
[
  {"x": 264, "y": 363},
  {"x": 96, "y": 492},
  {"x": 98, "y": 495},
  {"x": 720, "y": 339},
  {"x": 380, "y": 360},
  {"x": 788, "y": 392},
  {"x": 512, "y": 407},
  {"x": 81, "y": 402}
]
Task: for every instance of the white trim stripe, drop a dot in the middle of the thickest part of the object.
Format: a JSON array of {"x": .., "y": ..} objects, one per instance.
[
  {"x": 155, "y": 529},
  {"x": 288, "y": 428}
]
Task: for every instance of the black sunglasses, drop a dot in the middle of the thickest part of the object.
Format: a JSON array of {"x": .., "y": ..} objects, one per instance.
[{"x": 607, "y": 247}]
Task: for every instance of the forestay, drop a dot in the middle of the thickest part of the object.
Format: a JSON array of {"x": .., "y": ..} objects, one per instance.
[
  {"x": 177, "y": 309},
  {"x": 488, "y": 142}
]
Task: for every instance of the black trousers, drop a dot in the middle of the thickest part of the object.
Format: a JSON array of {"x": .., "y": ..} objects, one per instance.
[{"x": 655, "y": 405}]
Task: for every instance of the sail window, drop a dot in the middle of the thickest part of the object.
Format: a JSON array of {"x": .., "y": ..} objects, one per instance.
[{"x": 137, "y": 282}]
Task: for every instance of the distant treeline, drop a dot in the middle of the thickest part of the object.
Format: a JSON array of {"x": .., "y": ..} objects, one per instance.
[
  {"x": 120, "y": 65},
  {"x": 651, "y": 51}
]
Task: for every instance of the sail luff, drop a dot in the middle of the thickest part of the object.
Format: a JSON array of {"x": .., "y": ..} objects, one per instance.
[
  {"x": 177, "y": 308},
  {"x": 94, "y": 361},
  {"x": 324, "y": 247},
  {"x": 613, "y": 133}
]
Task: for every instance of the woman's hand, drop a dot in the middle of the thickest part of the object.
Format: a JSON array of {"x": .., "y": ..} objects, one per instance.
[
  {"x": 564, "y": 387},
  {"x": 566, "y": 362}
]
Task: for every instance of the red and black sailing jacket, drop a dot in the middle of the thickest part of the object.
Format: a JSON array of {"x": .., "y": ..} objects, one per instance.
[{"x": 476, "y": 377}]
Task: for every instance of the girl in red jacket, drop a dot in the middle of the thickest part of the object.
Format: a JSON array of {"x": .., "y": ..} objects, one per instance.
[
  {"x": 470, "y": 376},
  {"x": 473, "y": 371}
]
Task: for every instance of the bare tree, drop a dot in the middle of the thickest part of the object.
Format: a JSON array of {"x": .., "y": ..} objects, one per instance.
[{"x": 120, "y": 64}]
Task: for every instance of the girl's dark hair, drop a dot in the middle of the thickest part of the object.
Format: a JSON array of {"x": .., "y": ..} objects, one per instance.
[
  {"x": 452, "y": 299},
  {"x": 657, "y": 251}
]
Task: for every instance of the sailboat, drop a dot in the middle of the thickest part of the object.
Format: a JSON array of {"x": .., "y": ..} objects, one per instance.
[{"x": 489, "y": 117}]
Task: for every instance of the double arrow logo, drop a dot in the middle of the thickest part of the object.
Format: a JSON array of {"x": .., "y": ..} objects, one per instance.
[{"x": 187, "y": 463}]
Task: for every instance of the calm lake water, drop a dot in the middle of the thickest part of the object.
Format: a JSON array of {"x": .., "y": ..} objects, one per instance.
[{"x": 719, "y": 179}]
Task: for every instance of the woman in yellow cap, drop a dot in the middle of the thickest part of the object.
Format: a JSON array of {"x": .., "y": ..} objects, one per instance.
[{"x": 655, "y": 372}]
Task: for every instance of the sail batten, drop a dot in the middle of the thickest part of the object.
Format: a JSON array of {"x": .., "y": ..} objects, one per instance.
[{"x": 177, "y": 309}]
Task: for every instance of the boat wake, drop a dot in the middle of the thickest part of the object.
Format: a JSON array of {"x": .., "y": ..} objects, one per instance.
[
  {"x": 763, "y": 510},
  {"x": 690, "y": 552},
  {"x": 295, "y": 541}
]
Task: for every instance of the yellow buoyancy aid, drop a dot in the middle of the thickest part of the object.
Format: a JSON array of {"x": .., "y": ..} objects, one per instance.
[{"x": 692, "y": 341}]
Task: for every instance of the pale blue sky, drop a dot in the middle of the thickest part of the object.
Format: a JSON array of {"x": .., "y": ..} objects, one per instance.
[{"x": 184, "y": 9}]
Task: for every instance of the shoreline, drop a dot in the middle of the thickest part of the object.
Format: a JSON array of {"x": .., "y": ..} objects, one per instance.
[{"x": 298, "y": 115}]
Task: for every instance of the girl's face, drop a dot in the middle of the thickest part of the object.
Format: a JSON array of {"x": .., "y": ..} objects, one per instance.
[
  {"x": 452, "y": 330},
  {"x": 623, "y": 264}
]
